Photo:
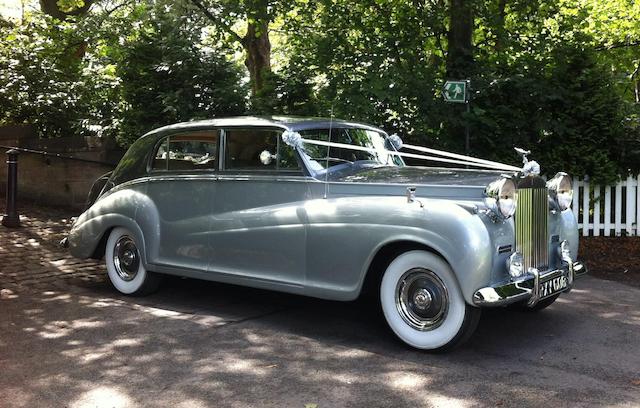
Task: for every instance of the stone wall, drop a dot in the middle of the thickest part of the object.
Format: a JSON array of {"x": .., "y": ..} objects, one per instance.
[{"x": 56, "y": 181}]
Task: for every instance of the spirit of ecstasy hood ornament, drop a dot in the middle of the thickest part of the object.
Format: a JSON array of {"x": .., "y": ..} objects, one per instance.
[{"x": 529, "y": 168}]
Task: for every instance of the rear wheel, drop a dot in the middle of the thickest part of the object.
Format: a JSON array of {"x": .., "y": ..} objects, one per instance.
[
  {"x": 423, "y": 304},
  {"x": 124, "y": 265}
]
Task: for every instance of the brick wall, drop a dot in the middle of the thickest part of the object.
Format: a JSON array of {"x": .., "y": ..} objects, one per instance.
[{"x": 52, "y": 180}]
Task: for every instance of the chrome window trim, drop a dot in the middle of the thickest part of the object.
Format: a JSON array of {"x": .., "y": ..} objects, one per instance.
[
  {"x": 301, "y": 171},
  {"x": 167, "y": 136}
]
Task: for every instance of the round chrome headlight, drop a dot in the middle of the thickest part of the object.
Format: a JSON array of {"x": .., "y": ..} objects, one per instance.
[
  {"x": 501, "y": 197},
  {"x": 561, "y": 190}
]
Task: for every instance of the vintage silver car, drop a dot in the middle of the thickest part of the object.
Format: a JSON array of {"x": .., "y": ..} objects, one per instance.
[{"x": 328, "y": 208}]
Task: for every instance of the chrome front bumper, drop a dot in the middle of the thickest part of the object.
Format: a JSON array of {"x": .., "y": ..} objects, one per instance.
[{"x": 526, "y": 288}]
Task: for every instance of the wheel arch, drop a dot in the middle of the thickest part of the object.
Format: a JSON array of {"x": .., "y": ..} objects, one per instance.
[
  {"x": 118, "y": 208},
  {"x": 101, "y": 248},
  {"x": 384, "y": 255},
  {"x": 89, "y": 239},
  {"x": 465, "y": 245}
]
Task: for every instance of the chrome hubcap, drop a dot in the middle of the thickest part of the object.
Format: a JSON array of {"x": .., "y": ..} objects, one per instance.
[
  {"x": 126, "y": 258},
  {"x": 422, "y": 299}
]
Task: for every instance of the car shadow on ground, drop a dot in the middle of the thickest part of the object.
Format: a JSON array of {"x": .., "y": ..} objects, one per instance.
[{"x": 201, "y": 343}]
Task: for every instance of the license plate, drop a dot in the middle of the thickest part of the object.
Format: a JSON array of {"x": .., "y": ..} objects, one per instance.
[{"x": 552, "y": 286}]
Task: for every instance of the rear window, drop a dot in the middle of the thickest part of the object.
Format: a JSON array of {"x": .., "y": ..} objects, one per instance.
[
  {"x": 190, "y": 151},
  {"x": 244, "y": 148}
]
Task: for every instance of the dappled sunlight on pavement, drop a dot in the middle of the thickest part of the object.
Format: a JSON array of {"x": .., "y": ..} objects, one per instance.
[
  {"x": 102, "y": 397},
  {"x": 215, "y": 348},
  {"x": 30, "y": 258},
  {"x": 76, "y": 343}
]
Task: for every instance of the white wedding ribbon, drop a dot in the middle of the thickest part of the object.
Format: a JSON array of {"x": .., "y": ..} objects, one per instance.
[
  {"x": 462, "y": 157},
  {"x": 453, "y": 157}
]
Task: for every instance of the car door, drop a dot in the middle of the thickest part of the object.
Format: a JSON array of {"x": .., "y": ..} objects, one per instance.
[
  {"x": 258, "y": 226},
  {"x": 182, "y": 187}
]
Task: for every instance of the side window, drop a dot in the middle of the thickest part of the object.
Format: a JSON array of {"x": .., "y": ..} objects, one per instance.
[
  {"x": 189, "y": 151},
  {"x": 160, "y": 159},
  {"x": 244, "y": 148}
]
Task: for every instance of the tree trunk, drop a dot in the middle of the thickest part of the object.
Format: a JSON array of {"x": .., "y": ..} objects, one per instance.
[
  {"x": 257, "y": 45},
  {"x": 460, "y": 47},
  {"x": 258, "y": 48},
  {"x": 459, "y": 65},
  {"x": 500, "y": 31}
]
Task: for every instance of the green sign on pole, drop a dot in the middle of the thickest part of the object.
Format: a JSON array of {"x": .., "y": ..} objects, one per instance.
[{"x": 455, "y": 91}]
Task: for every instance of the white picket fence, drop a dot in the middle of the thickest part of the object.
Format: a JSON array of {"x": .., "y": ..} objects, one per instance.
[{"x": 607, "y": 210}]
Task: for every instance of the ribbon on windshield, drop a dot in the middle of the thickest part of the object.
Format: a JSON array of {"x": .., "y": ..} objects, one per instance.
[{"x": 294, "y": 139}]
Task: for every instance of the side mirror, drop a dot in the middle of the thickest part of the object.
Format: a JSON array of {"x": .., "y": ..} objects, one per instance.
[{"x": 266, "y": 157}]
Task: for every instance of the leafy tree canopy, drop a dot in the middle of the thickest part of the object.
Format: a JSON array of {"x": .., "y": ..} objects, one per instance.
[{"x": 558, "y": 77}]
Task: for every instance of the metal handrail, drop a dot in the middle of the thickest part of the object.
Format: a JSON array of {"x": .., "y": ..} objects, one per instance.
[{"x": 57, "y": 155}]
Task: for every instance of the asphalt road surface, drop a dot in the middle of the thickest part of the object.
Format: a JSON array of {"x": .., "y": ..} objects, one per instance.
[{"x": 198, "y": 344}]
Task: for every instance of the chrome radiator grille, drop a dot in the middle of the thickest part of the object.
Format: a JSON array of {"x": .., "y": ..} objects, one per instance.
[{"x": 532, "y": 238}]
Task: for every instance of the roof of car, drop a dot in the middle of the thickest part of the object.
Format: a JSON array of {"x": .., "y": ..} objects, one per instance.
[{"x": 292, "y": 123}]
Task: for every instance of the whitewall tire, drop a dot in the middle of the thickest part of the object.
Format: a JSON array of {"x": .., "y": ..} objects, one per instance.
[
  {"x": 423, "y": 304},
  {"x": 124, "y": 264}
]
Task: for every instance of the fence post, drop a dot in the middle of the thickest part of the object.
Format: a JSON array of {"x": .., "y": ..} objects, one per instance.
[
  {"x": 607, "y": 211},
  {"x": 575, "y": 206},
  {"x": 596, "y": 211},
  {"x": 12, "y": 219},
  {"x": 638, "y": 205},
  {"x": 618, "y": 208},
  {"x": 585, "y": 208}
]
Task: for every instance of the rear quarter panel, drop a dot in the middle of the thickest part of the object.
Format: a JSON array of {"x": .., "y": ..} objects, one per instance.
[{"x": 116, "y": 208}]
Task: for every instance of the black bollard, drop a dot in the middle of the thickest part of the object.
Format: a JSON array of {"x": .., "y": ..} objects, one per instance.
[{"x": 12, "y": 219}]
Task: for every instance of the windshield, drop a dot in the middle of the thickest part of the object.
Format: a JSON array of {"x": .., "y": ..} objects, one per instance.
[{"x": 340, "y": 161}]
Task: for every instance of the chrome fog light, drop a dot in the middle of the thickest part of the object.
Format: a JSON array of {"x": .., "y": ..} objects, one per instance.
[
  {"x": 564, "y": 251},
  {"x": 515, "y": 264},
  {"x": 565, "y": 254}
]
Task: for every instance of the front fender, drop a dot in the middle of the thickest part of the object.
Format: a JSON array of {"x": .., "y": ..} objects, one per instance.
[
  {"x": 569, "y": 231},
  {"x": 457, "y": 235},
  {"x": 346, "y": 233}
]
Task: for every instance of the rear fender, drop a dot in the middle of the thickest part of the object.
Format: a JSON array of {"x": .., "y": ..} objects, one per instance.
[{"x": 115, "y": 209}]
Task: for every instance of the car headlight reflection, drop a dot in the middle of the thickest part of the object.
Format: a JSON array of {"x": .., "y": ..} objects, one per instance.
[
  {"x": 501, "y": 197},
  {"x": 561, "y": 190}
]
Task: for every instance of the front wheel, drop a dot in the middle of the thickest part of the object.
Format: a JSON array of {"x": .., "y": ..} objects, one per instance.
[
  {"x": 423, "y": 304},
  {"x": 124, "y": 265}
]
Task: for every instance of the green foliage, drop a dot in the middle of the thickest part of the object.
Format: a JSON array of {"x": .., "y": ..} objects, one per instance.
[
  {"x": 68, "y": 6},
  {"x": 557, "y": 77},
  {"x": 118, "y": 73},
  {"x": 43, "y": 80},
  {"x": 168, "y": 77},
  {"x": 540, "y": 79}
]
